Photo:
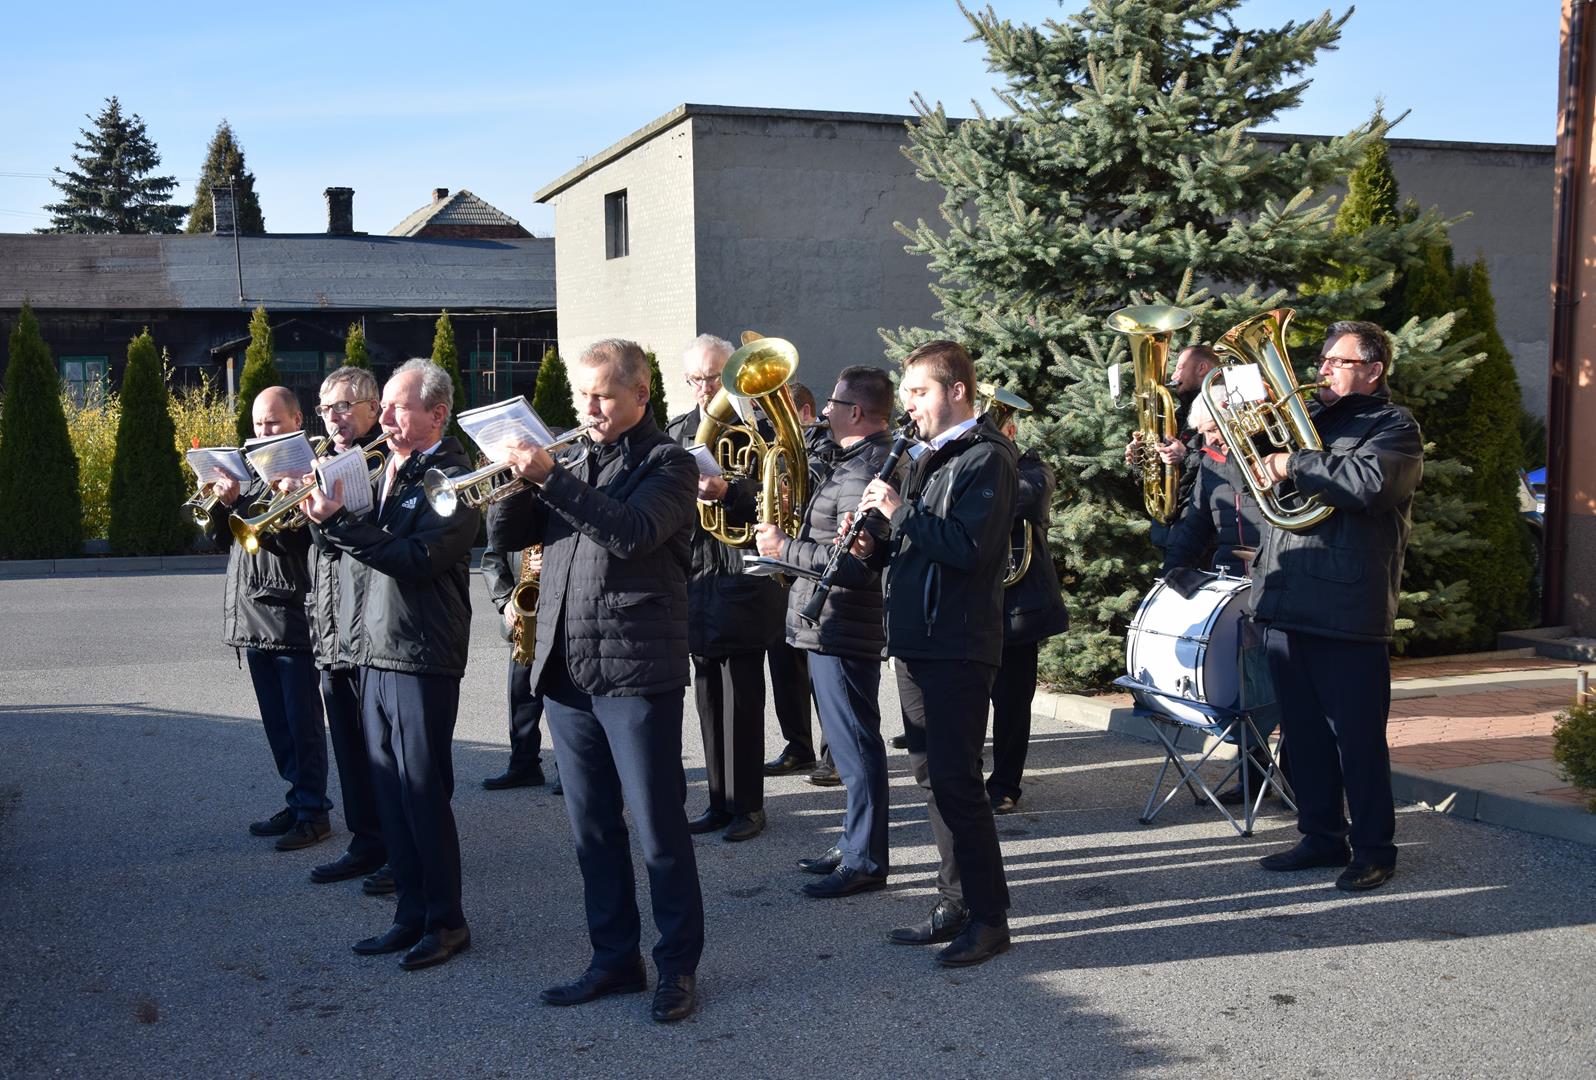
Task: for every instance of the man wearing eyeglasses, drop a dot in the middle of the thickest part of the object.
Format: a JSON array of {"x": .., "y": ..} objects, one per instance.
[
  {"x": 348, "y": 409},
  {"x": 732, "y": 619},
  {"x": 1326, "y": 598}
]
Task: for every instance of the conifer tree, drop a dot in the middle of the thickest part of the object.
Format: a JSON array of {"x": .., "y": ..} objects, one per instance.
[
  {"x": 41, "y": 509},
  {"x": 112, "y": 189},
  {"x": 447, "y": 356},
  {"x": 356, "y": 352},
  {"x": 260, "y": 371},
  {"x": 551, "y": 395},
  {"x": 656, "y": 391},
  {"x": 148, "y": 485},
  {"x": 224, "y": 164},
  {"x": 1122, "y": 172}
]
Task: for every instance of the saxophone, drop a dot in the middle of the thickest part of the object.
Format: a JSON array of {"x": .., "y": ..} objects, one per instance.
[{"x": 524, "y": 605}]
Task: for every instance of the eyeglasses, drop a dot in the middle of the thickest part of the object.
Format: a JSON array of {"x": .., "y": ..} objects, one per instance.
[
  {"x": 1342, "y": 361},
  {"x": 703, "y": 380},
  {"x": 340, "y": 408},
  {"x": 840, "y": 401}
]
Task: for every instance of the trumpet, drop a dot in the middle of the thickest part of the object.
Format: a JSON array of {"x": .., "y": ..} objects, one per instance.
[
  {"x": 488, "y": 484},
  {"x": 203, "y": 503},
  {"x": 285, "y": 512}
]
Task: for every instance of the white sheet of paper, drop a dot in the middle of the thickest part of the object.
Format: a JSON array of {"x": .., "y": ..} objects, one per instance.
[
  {"x": 707, "y": 465},
  {"x": 280, "y": 457},
  {"x": 764, "y": 566},
  {"x": 211, "y": 463},
  {"x": 1244, "y": 382},
  {"x": 350, "y": 468},
  {"x": 744, "y": 407},
  {"x": 494, "y": 428},
  {"x": 1114, "y": 383}
]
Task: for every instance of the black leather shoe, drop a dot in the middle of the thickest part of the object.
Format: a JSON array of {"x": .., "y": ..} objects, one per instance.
[
  {"x": 342, "y": 868},
  {"x": 976, "y": 944},
  {"x": 1303, "y": 857},
  {"x": 1004, "y": 804},
  {"x": 899, "y": 742},
  {"x": 823, "y": 865},
  {"x": 674, "y": 999},
  {"x": 844, "y": 881},
  {"x": 436, "y": 947},
  {"x": 708, "y": 821},
  {"x": 1362, "y": 876},
  {"x": 595, "y": 983},
  {"x": 275, "y": 825},
  {"x": 825, "y": 775},
  {"x": 303, "y": 834},
  {"x": 380, "y": 883},
  {"x": 744, "y": 827},
  {"x": 395, "y": 939},
  {"x": 1232, "y": 796},
  {"x": 944, "y": 923},
  {"x": 788, "y": 762},
  {"x": 510, "y": 778}
]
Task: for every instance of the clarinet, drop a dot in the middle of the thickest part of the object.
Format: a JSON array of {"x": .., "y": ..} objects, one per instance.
[{"x": 811, "y": 611}]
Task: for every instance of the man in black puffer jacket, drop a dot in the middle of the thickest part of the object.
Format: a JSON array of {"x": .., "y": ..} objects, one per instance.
[
  {"x": 845, "y": 643},
  {"x": 264, "y": 614},
  {"x": 414, "y": 627},
  {"x": 1326, "y": 596},
  {"x": 732, "y": 619},
  {"x": 945, "y": 561},
  {"x": 611, "y": 663}
]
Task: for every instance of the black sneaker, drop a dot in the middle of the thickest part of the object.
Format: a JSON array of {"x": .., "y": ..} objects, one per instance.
[
  {"x": 303, "y": 834},
  {"x": 275, "y": 825}
]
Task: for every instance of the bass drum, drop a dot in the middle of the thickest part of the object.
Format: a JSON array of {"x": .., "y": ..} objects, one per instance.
[{"x": 1189, "y": 647}]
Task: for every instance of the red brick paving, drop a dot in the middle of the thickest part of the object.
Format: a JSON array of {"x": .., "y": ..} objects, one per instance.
[
  {"x": 1475, "y": 729},
  {"x": 1431, "y": 669}
]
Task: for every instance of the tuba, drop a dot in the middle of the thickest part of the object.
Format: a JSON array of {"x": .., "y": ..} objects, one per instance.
[
  {"x": 757, "y": 373},
  {"x": 1150, "y": 327},
  {"x": 1001, "y": 405},
  {"x": 1280, "y": 420}
]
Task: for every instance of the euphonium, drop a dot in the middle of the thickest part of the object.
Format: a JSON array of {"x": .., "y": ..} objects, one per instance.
[
  {"x": 1000, "y": 407},
  {"x": 286, "y": 511},
  {"x": 1281, "y": 420},
  {"x": 1150, "y": 327},
  {"x": 524, "y": 604},
  {"x": 757, "y": 372}
]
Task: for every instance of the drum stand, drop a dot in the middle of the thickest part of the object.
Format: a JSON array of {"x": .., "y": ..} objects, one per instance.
[{"x": 1224, "y": 726}]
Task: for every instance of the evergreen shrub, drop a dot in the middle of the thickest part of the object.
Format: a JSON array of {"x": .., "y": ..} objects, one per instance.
[
  {"x": 260, "y": 371},
  {"x": 148, "y": 487},
  {"x": 1574, "y": 748},
  {"x": 40, "y": 505}
]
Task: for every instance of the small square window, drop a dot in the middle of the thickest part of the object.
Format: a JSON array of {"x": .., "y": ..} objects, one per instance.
[{"x": 616, "y": 243}]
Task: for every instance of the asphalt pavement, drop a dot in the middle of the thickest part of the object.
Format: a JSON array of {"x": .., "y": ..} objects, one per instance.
[{"x": 147, "y": 934}]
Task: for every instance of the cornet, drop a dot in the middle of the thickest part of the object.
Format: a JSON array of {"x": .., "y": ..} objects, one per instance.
[
  {"x": 203, "y": 502},
  {"x": 487, "y": 484},
  {"x": 285, "y": 512}
]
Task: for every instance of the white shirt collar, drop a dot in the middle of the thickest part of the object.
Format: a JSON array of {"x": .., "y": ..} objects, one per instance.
[{"x": 952, "y": 433}]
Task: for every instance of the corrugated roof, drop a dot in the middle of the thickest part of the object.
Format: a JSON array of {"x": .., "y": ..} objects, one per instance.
[
  {"x": 284, "y": 272},
  {"x": 461, "y": 208}
]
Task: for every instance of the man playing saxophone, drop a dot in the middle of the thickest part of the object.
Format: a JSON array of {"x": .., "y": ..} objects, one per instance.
[{"x": 503, "y": 571}]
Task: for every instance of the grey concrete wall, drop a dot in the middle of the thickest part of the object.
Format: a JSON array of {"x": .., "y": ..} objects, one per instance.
[
  {"x": 647, "y": 295},
  {"x": 1507, "y": 193},
  {"x": 795, "y": 238}
]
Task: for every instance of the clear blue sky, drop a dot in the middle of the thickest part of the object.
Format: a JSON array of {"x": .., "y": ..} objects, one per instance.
[{"x": 394, "y": 99}]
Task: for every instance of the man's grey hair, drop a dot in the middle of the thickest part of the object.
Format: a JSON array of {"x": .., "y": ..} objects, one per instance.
[
  {"x": 626, "y": 357},
  {"x": 1373, "y": 343},
  {"x": 436, "y": 386},
  {"x": 362, "y": 384},
  {"x": 1198, "y": 412},
  {"x": 711, "y": 345}
]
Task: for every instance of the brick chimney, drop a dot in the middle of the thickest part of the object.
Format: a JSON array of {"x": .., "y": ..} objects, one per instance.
[
  {"x": 340, "y": 211},
  {"x": 223, "y": 219},
  {"x": 439, "y": 194}
]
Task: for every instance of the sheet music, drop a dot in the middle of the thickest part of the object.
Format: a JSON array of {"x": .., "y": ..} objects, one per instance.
[
  {"x": 707, "y": 465},
  {"x": 212, "y": 463},
  {"x": 495, "y": 427},
  {"x": 348, "y": 467},
  {"x": 280, "y": 457},
  {"x": 764, "y": 566},
  {"x": 1244, "y": 382},
  {"x": 1115, "y": 384}
]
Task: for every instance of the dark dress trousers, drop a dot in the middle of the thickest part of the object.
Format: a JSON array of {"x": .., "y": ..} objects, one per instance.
[
  {"x": 414, "y": 629},
  {"x": 264, "y": 614},
  {"x": 501, "y": 572},
  {"x": 1326, "y": 597},
  {"x": 943, "y": 586},
  {"x": 611, "y": 664}
]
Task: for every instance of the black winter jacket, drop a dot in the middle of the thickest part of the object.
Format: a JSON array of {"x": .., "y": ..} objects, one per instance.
[
  {"x": 413, "y": 575},
  {"x": 949, "y": 550},
  {"x": 500, "y": 573},
  {"x": 1033, "y": 607},
  {"x": 728, "y": 611},
  {"x": 616, "y": 531},
  {"x": 1221, "y": 516},
  {"x": 1340, "y": 578},
  {"x": 334, "y": 596},
  {"x": 264, "y": 606},
  {"x": 850, "y": 622}
]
